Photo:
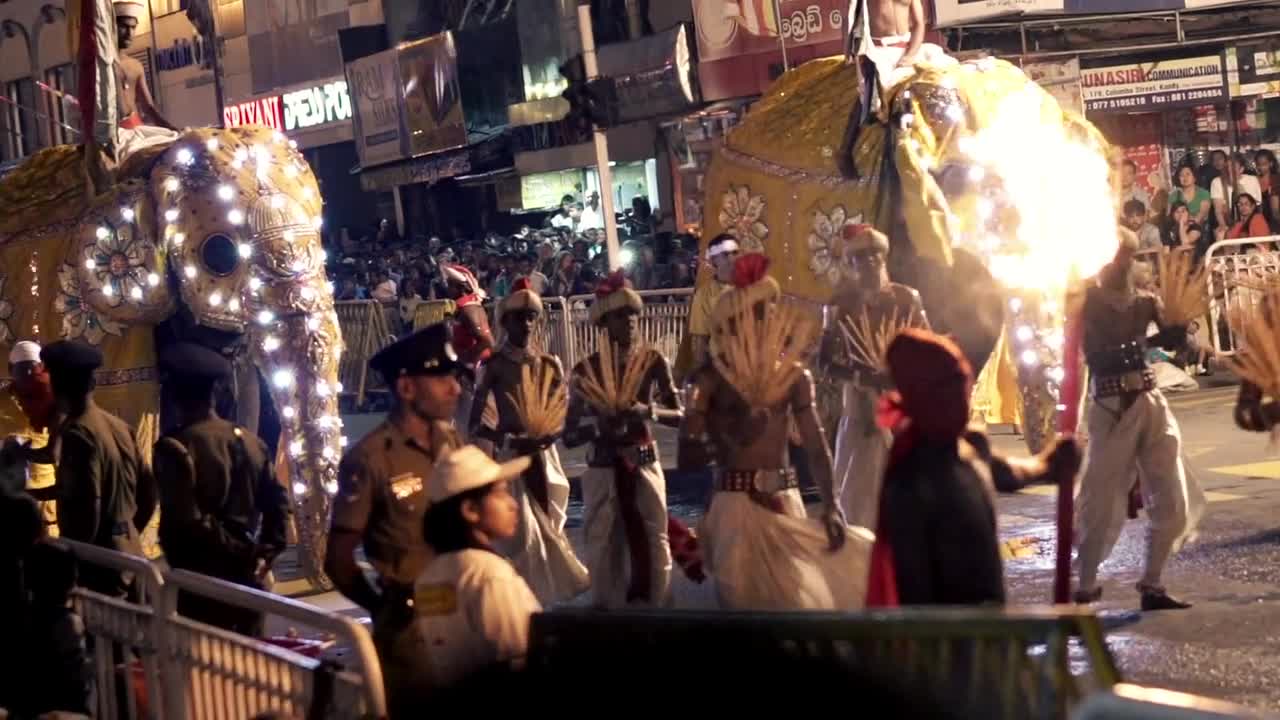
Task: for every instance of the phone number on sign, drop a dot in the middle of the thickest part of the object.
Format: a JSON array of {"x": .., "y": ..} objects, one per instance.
[{"x": 1142, "y": 101}]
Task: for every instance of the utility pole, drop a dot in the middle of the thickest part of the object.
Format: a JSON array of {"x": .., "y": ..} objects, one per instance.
[{"x": 587, "y": 34}]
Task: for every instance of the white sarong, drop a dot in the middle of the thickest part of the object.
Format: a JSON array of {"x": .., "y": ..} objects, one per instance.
[
  {"x": 540, "y": 551},
  {"x": 608, "y": 556},
  {"x": 861, "y": 449},
  {"x": 131, "y": 140},
  {"x": 1145, "y": 435},
  {"x": 764, "y": 560}
]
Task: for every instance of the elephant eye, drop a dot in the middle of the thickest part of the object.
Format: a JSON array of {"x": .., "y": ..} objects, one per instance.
[{"x": 219, "y": 254}]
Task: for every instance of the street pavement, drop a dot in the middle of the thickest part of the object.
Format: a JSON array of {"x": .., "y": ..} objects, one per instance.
[{"x": 1224, "y": 647}]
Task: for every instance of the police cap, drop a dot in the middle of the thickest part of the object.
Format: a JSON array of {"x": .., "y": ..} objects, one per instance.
[
  {"x": 190, "y": 360},
  {"x": 71, "y": 356},
  {"x": 426, "y": 352}
]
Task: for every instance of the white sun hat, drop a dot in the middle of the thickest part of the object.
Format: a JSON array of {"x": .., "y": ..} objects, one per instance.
[{"x": 468, "y": 468}]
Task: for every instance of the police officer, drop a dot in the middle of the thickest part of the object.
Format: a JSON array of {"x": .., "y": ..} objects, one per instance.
[
  {"x": 222, "y": 512},
  {"x": 381, "y": 498},
  {"x": 100, "y": 476}
]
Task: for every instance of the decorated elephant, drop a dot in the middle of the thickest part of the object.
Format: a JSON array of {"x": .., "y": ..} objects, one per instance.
[
  {"x": 222, "y": 226},
  {"x": 993, "y": 198}
]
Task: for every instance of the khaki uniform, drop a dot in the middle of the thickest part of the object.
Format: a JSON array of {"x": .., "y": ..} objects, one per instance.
[
  {"x": 98, "y": 476},
  {"x": 221, "y": 510},
  {"x": 381, "y": 496}
]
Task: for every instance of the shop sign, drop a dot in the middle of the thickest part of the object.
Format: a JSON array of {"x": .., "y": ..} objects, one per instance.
[
  {"x": 316, "y": 106},
  {"x": 263, "y": 111},
  {"x": 956, "y": 12},
  {"x": 1255, "y": 70},
  {"x": 1146, "y": 86}
]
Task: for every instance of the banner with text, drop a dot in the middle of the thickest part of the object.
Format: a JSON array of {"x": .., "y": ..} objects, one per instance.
[
  {"x": 432, "y": 98},
  {"x": 374, "y": 83},
  {"x": 1155, "y": 85}
]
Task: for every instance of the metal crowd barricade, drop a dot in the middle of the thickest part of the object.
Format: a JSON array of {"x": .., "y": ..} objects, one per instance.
[
  {"x": 1237, "y": 272},
  {"x": 992, "y": 663},
  {"x": 662, "y": 323},
  {"x": 365, "y": 331},
  {"x": 124, "y": 635},
  {"x": 151, "y": 663},
  {"x": 224, "y": 676}
]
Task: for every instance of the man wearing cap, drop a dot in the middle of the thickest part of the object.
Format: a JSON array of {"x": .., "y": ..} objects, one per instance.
[
  {"x": 861, "y": 444},
  {"x": 1129, "y": 423},
  {"x": 540, "y": 551},
  {"x": 105, "y": 489},
  {"x": 624, "y": 490},
  {"x": 381, "y": 500},
  {"x": 471, "y": 336},
  {"x": 760, "y": 547},
  {"x": 722, "y": 251},
  {"x": 31, "y": 391},
  {"x": 222, "y": 513}
]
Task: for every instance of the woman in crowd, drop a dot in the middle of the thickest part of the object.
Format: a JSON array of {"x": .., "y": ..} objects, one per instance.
[
  {"x": 1252, "y": 222},
  {"x": 566, "y": 275},
  {"x": 1193, "y": 197},
  {"x": 1183, "y": 231},
  {"x": 1269, "y": 178}
]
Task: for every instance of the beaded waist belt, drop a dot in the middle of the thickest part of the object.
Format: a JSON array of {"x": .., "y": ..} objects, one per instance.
[
  {"x": 765, "y": 481},
  {"x": 1135, "y": 381}
]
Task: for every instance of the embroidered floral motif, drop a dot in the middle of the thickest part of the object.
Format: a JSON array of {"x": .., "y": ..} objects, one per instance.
[
  {"x": 78, "y": 319},
  {"x": 116, "y": 264},
  {"x": 6, "y": 312},
  {"x": 740, "y": 213},
  {"x": 826, "y": 243}
]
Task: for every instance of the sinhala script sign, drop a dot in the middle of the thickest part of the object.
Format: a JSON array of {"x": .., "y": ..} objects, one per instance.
[
  {"x": 1143, "y": 86},
  {"x": 316, "y": 106}
]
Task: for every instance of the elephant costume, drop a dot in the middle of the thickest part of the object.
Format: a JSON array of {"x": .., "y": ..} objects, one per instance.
[{"x": 222, "y": 225}]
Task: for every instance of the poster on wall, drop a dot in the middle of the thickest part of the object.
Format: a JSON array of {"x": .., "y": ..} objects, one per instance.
[
  {"x": 374, "y": 84},
  {"x": 1141, "y": 137},
  {"x": 957, "y": 12},
  {"x": 1155, "y": 85},
  {"x": 432, "y": 98},
  {"x": 1061, "y": 80}
]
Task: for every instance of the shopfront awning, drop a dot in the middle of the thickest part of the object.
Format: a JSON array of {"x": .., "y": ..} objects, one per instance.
[
  {"x": 629, "y": 143},
  {"x": 485, "y": 157}
]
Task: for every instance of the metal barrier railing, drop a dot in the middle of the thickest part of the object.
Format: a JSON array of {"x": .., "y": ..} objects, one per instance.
[
  {"x": 365, "y": 330},
  {"x": 998, "y": 663},
  {"x": 151, "y": 662},
  {"x": 1235, "y": 280}
]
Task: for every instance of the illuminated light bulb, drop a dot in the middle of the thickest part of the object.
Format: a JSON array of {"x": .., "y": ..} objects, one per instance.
[
  {"x": 235, "y": 217},
  {"x": 288, "y": 236},
  {"x": 237, "y": 163},
  {"x": 271, "y": 343},
  {"x": 264, "y": 173},
  {"x": 324, "y": 256},
  {"x": 331, "y": 487},
  {"x": 190, "y": 271},
  {"x": 288, "y": 412},
  {"x": 1056, "y": 374},
  {"x": 299, "y": 488},
  {"x": 90, "y": 264},
  {"x": 178, "y": 238},
  {"x": 308, "y": 294},
  {"x": 277, "y": 136},
  {"x": 255, "y": 284},
  {"x": 1015, "y": 304},
  {"x": 241, "y": 154},
  {"x": 313, "y": 323},
  {"x": 339, "y": 387},
  {"x": 127, "y": 214},
  {"x": 322, "y": 388},
  {"x": 246, "y": 250},
  {"x": 295, "y": 448},
  {"x": 103, "y": 233},
  {"x": 171, "y": 184},
  {"x": 215, "y": 298},
  {"x": 318, "y": 222},
  {"x": 277, "y": 201},
  {"x": 1030, "y": 357},
  {"x": 299, "y": 265},
  {"x": 977, "y": 173},
  {"x": 307, "y": 192},
  {"x": 291, "y": 171},
  {"x": 153, "y": 279},
  {"x": 171, "y": 214},
  {"x": 985, "y": 208},
  {"x": 1060, "y": 408},
  {"x": 212, "y": 144},
  {"x": 324, "y": 422},
  {"x": 226, "y": 192},
  {"x": 185, "y": 156},
  {"x": 327, "y": 452},
  {"x": 257, "y": 151},
  {"x": 1055, "y": 340},
  {"x": 234, "y": 305},
  {"x": 328, "y": 286},
  {"x": 266, "y": 317},
  {"x": 108, "y": 290},
  {"x": 342, "y": 441},
  {"x": 1023, "y": 333},
  {"x": 135, "y": 292},
  {"x": 283, "y": 379}
]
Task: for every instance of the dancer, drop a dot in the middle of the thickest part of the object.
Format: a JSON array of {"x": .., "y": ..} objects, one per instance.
[
  {"x": 528, "y": 389},
  {"x": 869, "y": 311},
  {"x": 758, "y": 545},
  {"x": 625, "y": 387},
  {"x": 1129, "y": 423},
  {"x": 472, "y": 338}
]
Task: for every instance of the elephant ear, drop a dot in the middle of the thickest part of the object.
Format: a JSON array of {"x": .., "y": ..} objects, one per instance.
[{"x": 116, "y": 259}]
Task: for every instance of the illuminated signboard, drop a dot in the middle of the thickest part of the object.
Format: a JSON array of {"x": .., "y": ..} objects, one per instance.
[
  {"x": 263, "y": 111},
  {"x": 316, "y": 106}
]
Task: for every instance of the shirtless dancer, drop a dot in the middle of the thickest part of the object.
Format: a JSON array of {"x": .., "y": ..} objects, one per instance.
[
  {"x": 758, "y": 544},
  {"x": 861, "y": 444},
  {"x": 889, "y": 41},
  {"x": 141, "y": 124}
]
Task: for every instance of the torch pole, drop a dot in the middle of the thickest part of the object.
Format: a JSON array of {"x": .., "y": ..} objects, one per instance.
[{"x": 601, "y": 141}]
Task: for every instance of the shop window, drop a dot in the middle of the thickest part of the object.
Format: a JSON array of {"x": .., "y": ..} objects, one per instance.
[
  {"x": 57, "y": 103},
  {"x": 20, "y": 114}
]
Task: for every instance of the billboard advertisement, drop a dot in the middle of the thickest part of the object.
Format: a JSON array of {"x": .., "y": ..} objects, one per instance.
[
  {"x": 432, "y": 99},
  {"x": 374, "y": 83},
  {"x": 1145, "y": 86}
]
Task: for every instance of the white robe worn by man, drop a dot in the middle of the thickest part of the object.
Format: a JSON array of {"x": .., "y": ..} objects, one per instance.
[
  {"x": 759, "y": 545},
  {"x": 887, "y": 40},
  {"x": 1130, "y": 426},
  {"x": 134, "y": 97}
]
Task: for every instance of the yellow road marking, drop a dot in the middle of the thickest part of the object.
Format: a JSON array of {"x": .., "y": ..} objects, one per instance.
[
  {"x": 1019, "y": 547},
  {"x": 1269, "y": 470},
  {"x": 1212, "y": 496}
]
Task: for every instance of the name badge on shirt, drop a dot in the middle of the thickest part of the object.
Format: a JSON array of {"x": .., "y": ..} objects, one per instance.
[
  {"x": 405, "y": 486},
  {"x": 435, "y": 600}
]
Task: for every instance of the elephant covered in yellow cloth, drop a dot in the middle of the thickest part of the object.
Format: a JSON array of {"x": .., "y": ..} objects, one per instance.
[
  {"x": 993, "y": 198},
  {"x": 221, "y": 224}
]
